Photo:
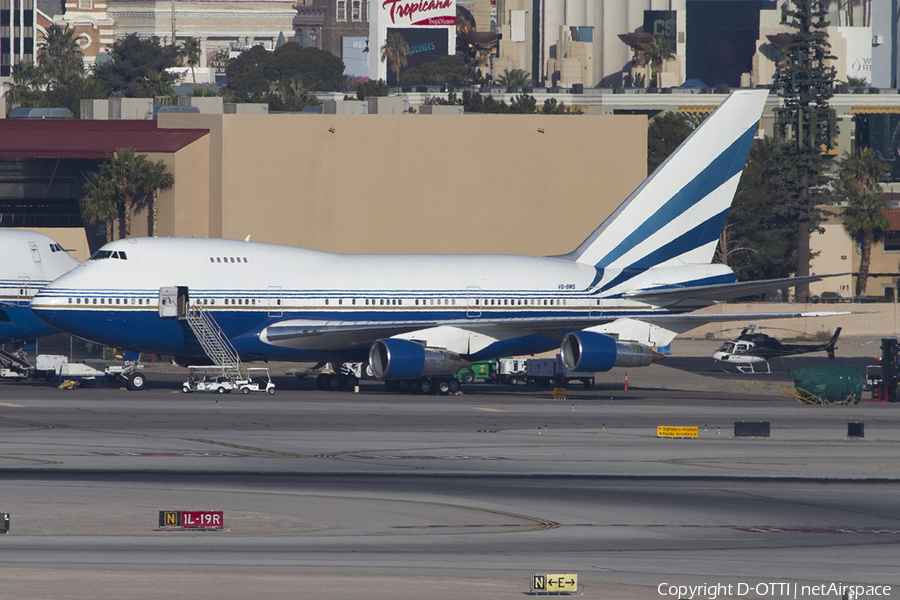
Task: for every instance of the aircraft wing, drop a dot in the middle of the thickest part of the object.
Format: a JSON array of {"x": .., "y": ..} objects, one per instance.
[
  {"x": 345, "y": 335},
  {"x": 719, "y": 292},
  {"x": 335, "y": 335}
]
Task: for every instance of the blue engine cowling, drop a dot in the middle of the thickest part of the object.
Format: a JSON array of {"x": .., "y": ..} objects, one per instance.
[
  {"x": 392, "y": 358},
  {"x": 591, "y": 352}
]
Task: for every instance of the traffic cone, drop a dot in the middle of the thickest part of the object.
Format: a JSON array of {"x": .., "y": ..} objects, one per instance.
[{"x": 626, "y": 382}]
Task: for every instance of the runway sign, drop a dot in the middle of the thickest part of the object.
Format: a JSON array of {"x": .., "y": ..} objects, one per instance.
[
  {"x": 192, "y": 519},
  {"x": 554, "y": 583},
  {"x": 676, "y": 432}
]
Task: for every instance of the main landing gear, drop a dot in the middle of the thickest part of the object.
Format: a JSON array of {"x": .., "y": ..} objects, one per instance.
[
  {"x": 442, "y": 384},
  {"x": 346, "y": 376},
  {"x": 334, "y": 382}
]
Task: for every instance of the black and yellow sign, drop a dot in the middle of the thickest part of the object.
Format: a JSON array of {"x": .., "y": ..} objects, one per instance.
[
  {"x": 554, "y": 582},
  {"x": 676, "y": 432},
  {"x": 559, "y": 393},
  {"x": 192, "y": 519}
]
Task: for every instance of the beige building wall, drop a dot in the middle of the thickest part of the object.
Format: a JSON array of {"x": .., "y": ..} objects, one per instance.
[
  {"x": 511, "y": 184},
  {"x": 837, "y": 253},
  {"x": 833, "y": 252}
]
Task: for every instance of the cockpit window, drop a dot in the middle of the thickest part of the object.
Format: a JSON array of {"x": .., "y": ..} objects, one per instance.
[{"x": 101, "y": 254}]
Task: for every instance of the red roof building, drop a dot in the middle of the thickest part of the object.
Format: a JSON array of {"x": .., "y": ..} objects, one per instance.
[{"x": 65, "y": 138}]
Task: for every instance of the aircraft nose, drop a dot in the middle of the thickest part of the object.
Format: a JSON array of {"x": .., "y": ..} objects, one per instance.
[
  {"x": 47, "y": 316},
  {"x": 43, "y": 312}
]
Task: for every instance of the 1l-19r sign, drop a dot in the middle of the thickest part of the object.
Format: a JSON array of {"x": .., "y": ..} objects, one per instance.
[{"x": 192, "y": 519}]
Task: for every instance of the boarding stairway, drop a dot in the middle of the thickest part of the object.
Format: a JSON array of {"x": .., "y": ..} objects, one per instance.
[{"x": 214, "y": 342}]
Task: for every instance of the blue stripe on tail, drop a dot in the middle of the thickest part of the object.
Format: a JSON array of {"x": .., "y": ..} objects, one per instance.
[
  {"x": 698, "y": 236},
  {"x": 720, "y": 170}
]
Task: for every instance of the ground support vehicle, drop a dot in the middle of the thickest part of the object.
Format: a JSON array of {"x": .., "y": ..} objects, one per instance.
[
  {"x": 482, "y": 369},
  {"x": 511, "y": 371},
  {"x": 501, "y": 370},
  {"x": 873, "y": 378},
  {"x": 82, "y": 372},
  {"x": 249, "y": 385},
  {"x": 886, "y": 389},
  {"x": 14, "y": 366},
  {"x": 544, "y": 372},
  {"x": 215, "y": 379}
]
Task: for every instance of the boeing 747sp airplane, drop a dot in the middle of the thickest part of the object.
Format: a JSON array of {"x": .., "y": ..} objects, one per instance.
[
  {"x": 28, "y": 262},
  {"x": 629, "y": 286}
]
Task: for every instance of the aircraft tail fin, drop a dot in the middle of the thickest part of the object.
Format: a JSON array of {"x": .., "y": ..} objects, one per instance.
[
  {"x": 676, "y": 216},
  {"x": 829, "y": 348}
]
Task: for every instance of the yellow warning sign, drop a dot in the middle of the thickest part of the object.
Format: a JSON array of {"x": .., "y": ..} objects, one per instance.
[
  {"x": 554, "y": 582},
  {"x": 559, "y": 393},
  {"x": 676, "y": 432}
]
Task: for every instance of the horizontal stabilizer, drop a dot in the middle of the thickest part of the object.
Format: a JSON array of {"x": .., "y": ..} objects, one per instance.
[
  {"x": 720, "y": 291},
  {"x": 695, "y": 320}
]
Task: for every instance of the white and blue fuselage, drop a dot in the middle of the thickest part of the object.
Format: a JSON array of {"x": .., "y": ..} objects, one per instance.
[
  {"x": 266, "y": 296},
  {"x": 28, "y": 262}
]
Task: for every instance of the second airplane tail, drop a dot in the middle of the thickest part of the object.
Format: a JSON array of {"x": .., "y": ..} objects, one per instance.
[{"x": 676, "y": 216}]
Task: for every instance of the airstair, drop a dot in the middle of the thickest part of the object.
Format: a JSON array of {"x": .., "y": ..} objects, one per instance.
[{"x": 214, "y": 342}]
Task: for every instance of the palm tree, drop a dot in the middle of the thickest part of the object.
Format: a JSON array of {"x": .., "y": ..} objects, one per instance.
[
  {"x": 514, "y": 78},
  {"x": 124, "y": 169},
  {"x": 156, "y": 179},
  {"x": 59, "y": 55},
  {"x": 157, "y": 84},
  {"x": 100, "y": 203},
  {"x": 858, "y": 186},
  {"x": 127, "y": 182},
  {"x": 27, "y": 86},
  {"x": 658, "y": 52},
  {"x": 395, "y": 51},
  {"x": 190, "y": 50}
]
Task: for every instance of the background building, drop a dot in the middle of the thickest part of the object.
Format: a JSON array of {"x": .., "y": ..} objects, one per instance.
[
  {"x": 535, "y": 185},
  {"x": 719, "y": 42},
  {"x": 17, "y": 34},
  {"x": 223, "y": 27}
]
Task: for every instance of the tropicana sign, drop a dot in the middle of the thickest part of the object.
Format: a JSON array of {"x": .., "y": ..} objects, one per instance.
[{"x": 427, "y": 12}]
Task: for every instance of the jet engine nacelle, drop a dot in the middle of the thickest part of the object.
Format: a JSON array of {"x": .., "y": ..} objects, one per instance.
[
  {"x": 592, "y": 352},
  {"x": 392, "y": 358}
]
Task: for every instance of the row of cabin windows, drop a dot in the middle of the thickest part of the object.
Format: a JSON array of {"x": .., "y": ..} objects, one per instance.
[
  {"x": 447, "y": 302},
  {"x": 138, "y": 301},
  {"x": 380, "y": 302},
  {"x": 226, "y": 259}
]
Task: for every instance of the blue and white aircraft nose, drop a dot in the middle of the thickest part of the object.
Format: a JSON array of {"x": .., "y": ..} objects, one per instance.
[{"x": 42, "y": 309}]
